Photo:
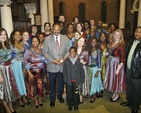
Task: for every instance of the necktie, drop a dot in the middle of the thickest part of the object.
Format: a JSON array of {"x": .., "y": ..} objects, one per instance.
[
  {"x": 57, "y": 44},
  {"x": 131, "y": 53}
]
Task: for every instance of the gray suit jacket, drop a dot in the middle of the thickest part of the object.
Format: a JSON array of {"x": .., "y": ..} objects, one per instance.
[{"x": 50, "y": 52}]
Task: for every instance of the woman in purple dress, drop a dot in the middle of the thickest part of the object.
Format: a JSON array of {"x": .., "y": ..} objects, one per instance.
[{"x": 34, "y": 64}]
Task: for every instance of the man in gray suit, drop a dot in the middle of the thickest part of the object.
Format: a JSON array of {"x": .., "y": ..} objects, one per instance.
[{"x": 55, "y": 49}]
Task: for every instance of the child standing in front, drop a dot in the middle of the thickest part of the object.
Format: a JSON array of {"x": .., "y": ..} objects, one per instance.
[{"x": 74, "y": 77}]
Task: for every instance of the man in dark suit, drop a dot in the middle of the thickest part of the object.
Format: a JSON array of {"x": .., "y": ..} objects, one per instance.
[
  {"x": 55, "y": 49},
  {"x": 133, "y": 73}
]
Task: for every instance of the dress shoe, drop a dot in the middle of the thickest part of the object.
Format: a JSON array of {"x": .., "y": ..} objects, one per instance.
[
  {"x": 14, "y": 112},
  {"x": 61, "y": 100},
  {"x": 70, "y": 108},
  {"x": 36, "y": 107},
  {"x": 41, "y": 105},
  {"x": 75, "y": 108},
  {"x": 22, "y": 105},
  {"x": 52, "y": 103},
  {"x": 81, "y": 102},
  {"x": 134, "y": 111},
  {"x": 92, "y": 101},
  {"x": 115, "y": 100},
  {"x": 124, "y": 104}
]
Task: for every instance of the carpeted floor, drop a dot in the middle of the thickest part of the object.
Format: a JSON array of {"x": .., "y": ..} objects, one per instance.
[{"x": 101, "y": 105}]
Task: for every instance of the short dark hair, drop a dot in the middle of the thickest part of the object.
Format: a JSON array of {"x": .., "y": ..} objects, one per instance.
[
  {"x": 74, "y": 48},
  {"x": 57, "y": 23}
]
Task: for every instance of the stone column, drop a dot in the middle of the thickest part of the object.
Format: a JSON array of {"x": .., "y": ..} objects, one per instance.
[
  {"x": 122, "y": 14},
  {"x": 31, "y": 10},
  {"x": 50, "y": 11},
  {"x": 44, "y": 13},
  {"x": 6, "y": 16},
  {"x": 139, "y": 14}
]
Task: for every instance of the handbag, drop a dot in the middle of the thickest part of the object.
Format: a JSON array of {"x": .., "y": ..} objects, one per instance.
[{"x": 1, "y": 79}]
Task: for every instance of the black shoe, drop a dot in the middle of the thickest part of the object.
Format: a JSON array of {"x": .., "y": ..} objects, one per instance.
[
  {"x": 70, "y": 108},
  {"x": 134, "y": 111},
  {"x": 14, "y": 112},
  {"x": 75, "y": 108},
  {"x": 36, "y": 107},
  {"x": 81, "y": 102},
  {"x": 61, "y": 100},
  {"x": 22, "y": 105},
  {"x": 41, "y": 105},
  {"x": 124, "y": 104},
  {"x": 52, "y": 103},
  {"x": 92, "y": 101},
  {"x": 115, "y": 100}
]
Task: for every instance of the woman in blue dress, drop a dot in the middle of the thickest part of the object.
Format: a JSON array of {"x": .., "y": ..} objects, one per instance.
[
  {"x": 17, "y": 48},
  {"x": 94, "y": 68}
]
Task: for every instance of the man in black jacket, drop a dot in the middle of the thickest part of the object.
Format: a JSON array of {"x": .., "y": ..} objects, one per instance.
[{"x": 133, "y": 73}]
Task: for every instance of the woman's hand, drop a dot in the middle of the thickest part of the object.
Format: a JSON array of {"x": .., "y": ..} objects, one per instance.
[
  {"x": 31, "y": 76},
  {"x": 96, "y": 74}
]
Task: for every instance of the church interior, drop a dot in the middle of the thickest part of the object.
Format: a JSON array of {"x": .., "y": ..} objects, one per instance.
[{"x": 21, "y": 14}]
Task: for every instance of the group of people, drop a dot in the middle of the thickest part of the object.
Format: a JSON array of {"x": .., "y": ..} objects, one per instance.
[{"x": 84, "y": 57}]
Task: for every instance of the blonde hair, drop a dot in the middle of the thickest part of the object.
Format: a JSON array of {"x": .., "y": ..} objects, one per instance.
[{"x": 121, "y": 41}]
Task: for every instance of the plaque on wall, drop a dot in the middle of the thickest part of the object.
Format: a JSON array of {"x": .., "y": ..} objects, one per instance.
[{"x": 38, "y": 20}]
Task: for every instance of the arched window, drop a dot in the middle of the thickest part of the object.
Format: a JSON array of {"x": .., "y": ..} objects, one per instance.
[
  {"x": 61, "y": 8},
  {"x": 103, "y": 12},
  {"x": 81, "y": 12}
]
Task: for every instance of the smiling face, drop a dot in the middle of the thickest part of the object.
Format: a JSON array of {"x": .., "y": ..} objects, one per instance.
[
  {"x": 70, "y": 28},
  {"x": 73, "y": 52},
  {"x": 77, "y": 35},
  {"x": 47, "y": 27},
  {"x": 41, "y": 37},
  {"x": 81, "y": 42},
  {"x": 79, "y": 27},
  {"x": 35, "y": 42},
  {"x": 110, "y": 38},
  {"x": 25, "y": 36},
  {"x": 94, "y": 43},
  {"x": 34, "y": 29},
  {"x": 56, "y": 30},
  {"x": 102, "y": 37},
  {"x": 17, "y": 36},
  {"x": 117, "y": 36},
  {"x": 137, "y": 33},
  {"x": 3, "y": 36}
]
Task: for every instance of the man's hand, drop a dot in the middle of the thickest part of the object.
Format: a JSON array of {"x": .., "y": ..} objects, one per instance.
[{"x": 56, "y": 62}]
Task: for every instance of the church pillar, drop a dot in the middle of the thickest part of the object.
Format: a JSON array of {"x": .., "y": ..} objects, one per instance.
[
  {"x": 6, "y": 16},
  {"x": 50, "y": 10},
  {"x": 44, "y": 12},
  {"x": 122, "y": 14},
  {"x": 31, "y": 10},
  {"x": 139, "y": 14}
]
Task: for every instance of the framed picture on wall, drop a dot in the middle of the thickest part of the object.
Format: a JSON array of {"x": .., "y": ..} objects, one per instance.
[{"x": 38, "y": 19}]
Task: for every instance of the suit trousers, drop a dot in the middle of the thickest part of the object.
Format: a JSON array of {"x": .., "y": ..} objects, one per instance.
[
  {"x": 133, "y": 90},
  {"x": 53, "y": 79},
  {"x": 72, "y": 94}
]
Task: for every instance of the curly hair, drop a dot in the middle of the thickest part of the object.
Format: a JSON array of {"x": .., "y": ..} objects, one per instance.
[
  {"x": 12, "y": 40},
  {"x": 6, "y": 42}
]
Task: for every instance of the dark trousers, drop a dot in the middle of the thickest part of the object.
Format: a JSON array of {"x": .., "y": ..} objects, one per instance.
[
  {"x": 133, "y": 91},
  {"x": 72, "y": 94},
  {"x": 53, "y": 79}
]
